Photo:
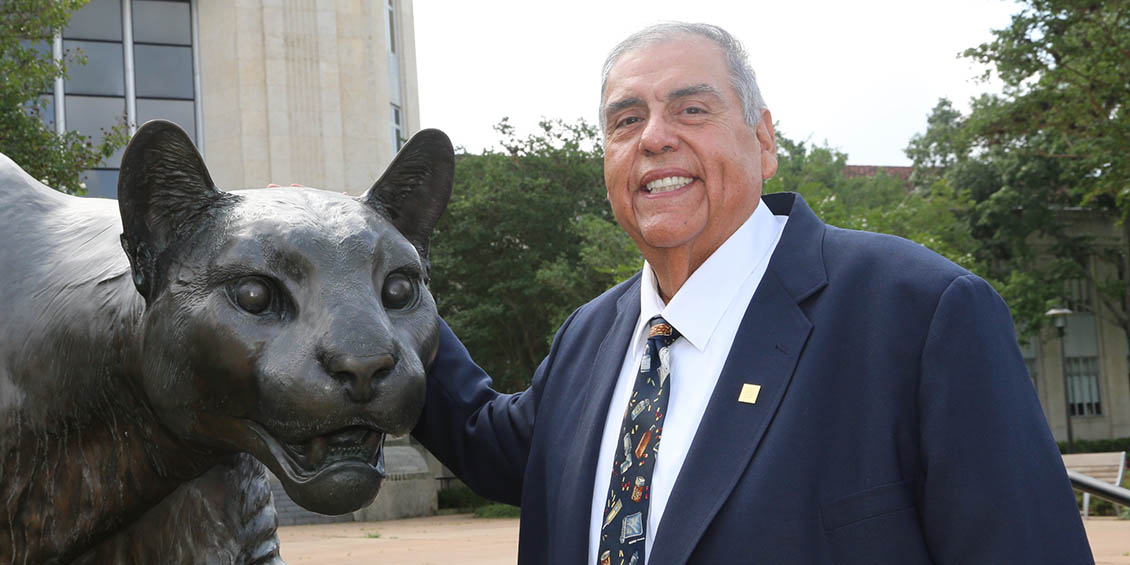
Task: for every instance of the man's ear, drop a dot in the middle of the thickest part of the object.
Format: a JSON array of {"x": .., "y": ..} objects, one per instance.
[
  {"x": 767, "y": 138},
  {"x": 414, "y": 190},
  {"x": 164, "y": 192}
]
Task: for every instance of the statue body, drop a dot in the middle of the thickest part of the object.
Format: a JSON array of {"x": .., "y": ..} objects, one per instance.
[{"x": 157, "y": 351}]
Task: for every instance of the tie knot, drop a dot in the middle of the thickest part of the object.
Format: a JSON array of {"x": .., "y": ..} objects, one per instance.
[{"x": 660, "y": 328}]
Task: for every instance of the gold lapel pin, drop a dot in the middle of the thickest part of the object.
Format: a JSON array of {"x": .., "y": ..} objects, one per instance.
[{"x": 749, "y": 393}]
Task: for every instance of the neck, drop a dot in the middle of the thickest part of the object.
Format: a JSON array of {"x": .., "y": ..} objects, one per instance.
[
  {"x": 76, "y": 476},
  {"x": 672, "y": 269},
  {"x": 673, "y": 266}
]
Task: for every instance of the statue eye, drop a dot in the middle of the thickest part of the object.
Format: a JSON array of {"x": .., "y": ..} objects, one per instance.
[
  {"x": 252, "y": 294},
  {"x": 398, "y": 292}
]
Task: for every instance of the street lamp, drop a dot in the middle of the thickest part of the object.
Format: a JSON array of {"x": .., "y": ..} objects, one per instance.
[{"x": 1059, "y": 318}]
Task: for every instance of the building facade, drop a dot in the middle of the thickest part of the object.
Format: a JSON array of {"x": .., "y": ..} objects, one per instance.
[
  {"x": 314, "y": 92},
  {"x": 1093, "y": 351}
]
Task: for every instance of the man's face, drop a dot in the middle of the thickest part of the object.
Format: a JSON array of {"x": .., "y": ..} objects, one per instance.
[{"x": 682, "y": 168}]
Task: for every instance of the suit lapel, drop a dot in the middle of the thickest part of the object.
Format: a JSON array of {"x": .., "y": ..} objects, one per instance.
[
  {"x": 576, "y": 484},
  {"x": 765, "y": 352}
]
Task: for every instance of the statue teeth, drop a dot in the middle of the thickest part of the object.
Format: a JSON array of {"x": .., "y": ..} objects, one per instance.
[
  {"x": 373, "y": 440},
  {"x": 667, "y": 184},
  {"x": 316, "y": 451}
]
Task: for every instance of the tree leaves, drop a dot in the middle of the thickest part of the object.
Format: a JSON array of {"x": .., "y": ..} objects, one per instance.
[
  {"x": 934, "y": 216},
  {"x": 1045, "y": 164},
  {"x": 527, "y": 238}
]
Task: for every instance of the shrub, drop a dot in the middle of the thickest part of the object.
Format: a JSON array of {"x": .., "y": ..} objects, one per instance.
[
  {"x": 498, "y": 511},
  {"x": 460, "y": 497}
]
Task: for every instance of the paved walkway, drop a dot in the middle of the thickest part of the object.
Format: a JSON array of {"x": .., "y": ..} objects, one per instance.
[{"x": 444, "y": 540}]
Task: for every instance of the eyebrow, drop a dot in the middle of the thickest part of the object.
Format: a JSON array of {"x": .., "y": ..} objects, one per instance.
[
  {"x": 691, "y": 91},
  {"x": 618, "y": 105}
]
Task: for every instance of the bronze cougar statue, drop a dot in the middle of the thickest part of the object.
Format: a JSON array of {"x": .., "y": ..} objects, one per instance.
[{"x": 152, "y": 361}]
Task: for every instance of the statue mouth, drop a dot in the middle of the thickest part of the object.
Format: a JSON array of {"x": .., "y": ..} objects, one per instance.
[
  {"x": 331, "y": 473},
  {"x": 351, "y": 446}
]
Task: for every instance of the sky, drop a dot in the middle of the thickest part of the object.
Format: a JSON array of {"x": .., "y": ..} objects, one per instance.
[{"x": 859, "y": 76}]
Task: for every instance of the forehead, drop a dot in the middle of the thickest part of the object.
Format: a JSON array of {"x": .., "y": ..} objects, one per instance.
[
  {"x": 306, "y": 219},
  {"x": 667, "y": 64},
  {"x": 300, "y": 207}
]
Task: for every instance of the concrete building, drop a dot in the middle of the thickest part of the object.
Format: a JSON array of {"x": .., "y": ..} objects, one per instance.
[
  {"x": 1093, "y": 351},
  {"x": 314, "y": 92}
]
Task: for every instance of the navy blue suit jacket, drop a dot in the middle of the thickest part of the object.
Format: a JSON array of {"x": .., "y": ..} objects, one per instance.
[{"x": 896, "y": 422}]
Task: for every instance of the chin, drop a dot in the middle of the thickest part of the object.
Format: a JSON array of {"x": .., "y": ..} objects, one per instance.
[{"x": 339, "y": 489}]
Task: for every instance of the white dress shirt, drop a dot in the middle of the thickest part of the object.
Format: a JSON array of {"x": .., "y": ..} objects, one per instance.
[{"x": 706, "y": 311}]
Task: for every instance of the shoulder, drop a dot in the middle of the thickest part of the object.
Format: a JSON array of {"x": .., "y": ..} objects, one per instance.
[
  {"x": 223, "y": 515},
  {"x": 886, "y": 260},
  {"x": 887, "y": 278},
  {"x": 853, "y": 265}
]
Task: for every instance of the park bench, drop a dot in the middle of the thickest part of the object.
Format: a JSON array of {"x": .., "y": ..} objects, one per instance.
[{"x": 1107, "y": 467}]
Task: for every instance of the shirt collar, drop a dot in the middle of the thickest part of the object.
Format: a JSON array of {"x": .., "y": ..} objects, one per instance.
[{"x": 699, "y": 305}]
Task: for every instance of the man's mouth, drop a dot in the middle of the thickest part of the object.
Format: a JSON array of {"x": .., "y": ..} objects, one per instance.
[{"x": 667, "y": 184}]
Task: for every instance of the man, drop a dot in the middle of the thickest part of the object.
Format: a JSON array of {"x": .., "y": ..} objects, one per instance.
[{"x": 822, "y": 396}]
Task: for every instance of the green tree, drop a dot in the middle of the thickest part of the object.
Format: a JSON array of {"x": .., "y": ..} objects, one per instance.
[
  {"x": 1024, "y": 216},
  {"x": 1065, "y": 65},
  {"x": 934, "y": 218},
  {"x": 1045, "y": 156},
  {"x": 27, "y": 70},
  {"x": 527, "y": 238}
]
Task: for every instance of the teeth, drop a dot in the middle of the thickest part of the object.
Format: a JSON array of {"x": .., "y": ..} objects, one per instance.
[
  {"x": 373, "y": 440},
  {"x": 667, "y": 184},
  {"x": 352, "y": 443},
  {"x": 316, "y": 451}
]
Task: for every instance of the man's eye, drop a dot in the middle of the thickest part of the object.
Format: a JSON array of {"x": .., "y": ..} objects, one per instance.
[
  {"x": 628, "y": 121},
  {"x": 251, "y": 294},
  {"x": 694, "y": 110},
  {"x": 398, "y": 292}
]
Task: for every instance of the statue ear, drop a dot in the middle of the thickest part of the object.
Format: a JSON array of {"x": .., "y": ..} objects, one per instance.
[
  {"x": 164, "y": 191},
  {"x": 414, "y": 190}
]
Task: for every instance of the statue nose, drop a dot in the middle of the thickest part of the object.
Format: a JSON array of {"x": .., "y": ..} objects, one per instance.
[{"x": 359, "y": 373}]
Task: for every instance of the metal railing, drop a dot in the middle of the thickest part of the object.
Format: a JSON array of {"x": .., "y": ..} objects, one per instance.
[{"x": 1105, "y": 491}]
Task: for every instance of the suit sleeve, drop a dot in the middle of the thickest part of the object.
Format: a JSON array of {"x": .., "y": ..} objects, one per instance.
[
  {"x": 481, "y": 435},
  {"x": 995, "y": 489}
]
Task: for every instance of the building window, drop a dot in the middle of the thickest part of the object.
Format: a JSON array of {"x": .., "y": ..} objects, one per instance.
[
  {"x": 94, "y": 95},
  {"x": 396, "y": 86},
  {"x": 1083, "y": 386},
  {"x": 397, "y": 128},
  {"x": 1081, "y": 350},
  {"x": 162, "y": 54},
  {"x": 390, "y": 25},
  {"x": 136, "y": 73},
  {"x": 1079, "y": 296}
]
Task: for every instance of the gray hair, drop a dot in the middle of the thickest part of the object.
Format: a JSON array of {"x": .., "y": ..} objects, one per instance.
[{"x": 742, "y": 77}]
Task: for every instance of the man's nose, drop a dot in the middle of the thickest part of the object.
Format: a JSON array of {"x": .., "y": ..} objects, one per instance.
[{"x": 658, "y": 137}]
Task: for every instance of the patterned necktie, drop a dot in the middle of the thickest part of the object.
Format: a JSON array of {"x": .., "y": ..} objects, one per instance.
[{"x": 624, "y": 529}]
